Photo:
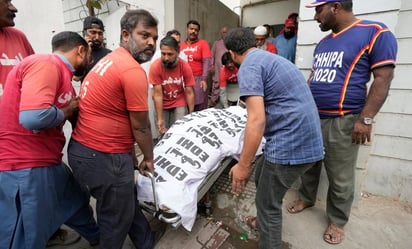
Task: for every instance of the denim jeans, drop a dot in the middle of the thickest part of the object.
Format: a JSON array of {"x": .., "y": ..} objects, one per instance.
[
  {"x": 110, "y": 179},
  {"x": 35, "y": 202},
  {"x": 273, "y": 181}
]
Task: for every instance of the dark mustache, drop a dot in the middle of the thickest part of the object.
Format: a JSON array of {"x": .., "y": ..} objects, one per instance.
[
  {"x": 150, "y": 48},
  {"x": 11, "y": 15}
]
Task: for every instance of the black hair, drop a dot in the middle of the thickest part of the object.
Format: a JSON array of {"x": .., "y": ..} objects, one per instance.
[
  {"x": 347, "y": 5},
  {"x": 170, "y": 42},
  {"x": 67, "y": 40},
  {"x": 173, "y": 32},
  {"x": 240, "y": 39},
  {"x": 226, "y": 57},
  {"x": 193, "y": 22},
  {"x": 132, "y": 18}
]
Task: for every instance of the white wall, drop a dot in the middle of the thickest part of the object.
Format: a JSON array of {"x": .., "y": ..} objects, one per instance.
[
  {"x": 256, "y": 13},
  {"x": 39, "y": 23}
]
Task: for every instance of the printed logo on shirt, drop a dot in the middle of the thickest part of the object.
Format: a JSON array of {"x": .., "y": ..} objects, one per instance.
[
  {"x": 190, "y": 50},
  {"x": 65, "y": 98},
  {"x": 6, "y": 61},
  {"x": 326, "y": 65},
  {"x": 171, "y": 80},
  {"x": 102, "y": 66}
]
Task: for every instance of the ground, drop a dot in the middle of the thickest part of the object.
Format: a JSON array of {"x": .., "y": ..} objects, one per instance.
[{"x": 377, "y": 223}]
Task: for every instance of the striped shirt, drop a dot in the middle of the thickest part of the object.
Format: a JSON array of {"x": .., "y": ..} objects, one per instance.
[{"x": 343, "y": 63}]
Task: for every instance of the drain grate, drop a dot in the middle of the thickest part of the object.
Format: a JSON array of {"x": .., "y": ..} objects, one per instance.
[{"x": 224, "y": 184}]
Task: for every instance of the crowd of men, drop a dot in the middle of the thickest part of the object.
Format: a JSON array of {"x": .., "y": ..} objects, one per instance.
[{"x": 306, "y": 123}]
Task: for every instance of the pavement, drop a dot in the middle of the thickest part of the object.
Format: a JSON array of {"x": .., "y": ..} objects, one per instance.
[{"x": 376, "y": 223}]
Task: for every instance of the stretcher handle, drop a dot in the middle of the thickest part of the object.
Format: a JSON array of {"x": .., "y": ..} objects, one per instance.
[{"x": 152, "y": 179}]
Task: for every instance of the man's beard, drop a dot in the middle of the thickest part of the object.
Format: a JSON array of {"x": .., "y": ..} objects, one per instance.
[
  {"x": 289, "y": 34},
  {"x": 140, "y": 56},
  {"x": 81, "y": 69},
  {"x": 170, "y": 64},
  {"x": 96, "y": 45}
]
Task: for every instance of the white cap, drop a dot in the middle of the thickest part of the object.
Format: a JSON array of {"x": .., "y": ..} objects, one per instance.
[{"x": 260, "y": 30}]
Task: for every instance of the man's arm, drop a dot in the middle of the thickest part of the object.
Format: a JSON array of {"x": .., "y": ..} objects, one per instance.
[
  {"x": 205, "y": 72},
  {"x": 158, "y": 103},
  {"x": 190, "y": 98},
  {"x": 376, "y": 97},
  {"x": 255, "y": 126},
  {"x": 142, "y": 134},
  {"x": 212, "y": 62},
  {"x": 46, "y": 118}
]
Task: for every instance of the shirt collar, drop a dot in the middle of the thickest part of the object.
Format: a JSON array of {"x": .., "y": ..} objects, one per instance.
[{"x": 66, "y": 61}]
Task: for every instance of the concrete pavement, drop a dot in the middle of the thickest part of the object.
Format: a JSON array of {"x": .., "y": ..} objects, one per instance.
[{"x": 376, "y": 223}]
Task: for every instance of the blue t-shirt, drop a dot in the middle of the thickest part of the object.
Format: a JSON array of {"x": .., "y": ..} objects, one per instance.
[
  {"x": 293, "y": 132},
  {"x": 343, "y": 63},
  {"x": 286, "y": 47}
]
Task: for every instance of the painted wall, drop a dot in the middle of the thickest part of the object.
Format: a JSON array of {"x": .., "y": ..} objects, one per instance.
[
  {"x": 39, "y": 24},
  {"x": 254, "y": 13},
  {"x": 211, "y": 14}
]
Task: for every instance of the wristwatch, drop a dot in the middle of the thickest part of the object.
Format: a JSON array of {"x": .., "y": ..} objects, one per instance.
[{"x": 367, "y": 121}]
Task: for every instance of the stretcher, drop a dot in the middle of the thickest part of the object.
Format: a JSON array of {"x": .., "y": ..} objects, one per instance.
[{"x": 188, "y": 160}]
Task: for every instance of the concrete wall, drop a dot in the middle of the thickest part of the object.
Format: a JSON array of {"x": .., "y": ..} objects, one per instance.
[
  {"x": 211, "y": 14},
  {"x": 390, "y": 162},
  {"x": 39, "y": 24},
  {"x": 258, "y": 12}
]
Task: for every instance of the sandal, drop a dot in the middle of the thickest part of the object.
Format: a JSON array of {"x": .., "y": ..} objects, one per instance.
[
  {"x": 297, "y": 206},
  {"x": 251, "y": 222},
  {"x": 334, "y": 234}
]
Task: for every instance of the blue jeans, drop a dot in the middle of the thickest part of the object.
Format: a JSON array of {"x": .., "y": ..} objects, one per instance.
[
  {"x": 273, "y": 181},
  {"x": 34, "y": 202},
  {"x": 110, "y": 180}
]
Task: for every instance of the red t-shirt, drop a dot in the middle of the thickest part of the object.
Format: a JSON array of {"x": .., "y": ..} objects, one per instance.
[
  {"x": 227, "y": 76},
  {"x": 14, "y": 46},
  {"x": 173, "y": 81},
  {"x": 195, "y": 53},
  {"x": 271, "y": 48},
  {"x": 38, "y": 82},
  {"x": 116, "y": 85}
]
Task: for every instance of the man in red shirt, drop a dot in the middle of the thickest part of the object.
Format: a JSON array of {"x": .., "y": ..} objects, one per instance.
[
  {"x": 172, "y": 81},
  {"x": 229, "y": 88},
  {"x": 199, "y": 57},
  {"x": 41, "y": 191},
  {"x": 113, "y": 116},
  {"x": 14, "y": 45}
]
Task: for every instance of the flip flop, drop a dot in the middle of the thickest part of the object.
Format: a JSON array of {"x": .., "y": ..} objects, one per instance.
[
  {"x": 297, "y": 206},
  {"x": 251, "y": 222},
  {"x": 334, "y": 234}
]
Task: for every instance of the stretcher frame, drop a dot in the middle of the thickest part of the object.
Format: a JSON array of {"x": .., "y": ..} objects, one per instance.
[{"x": 172, "y": 218}]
